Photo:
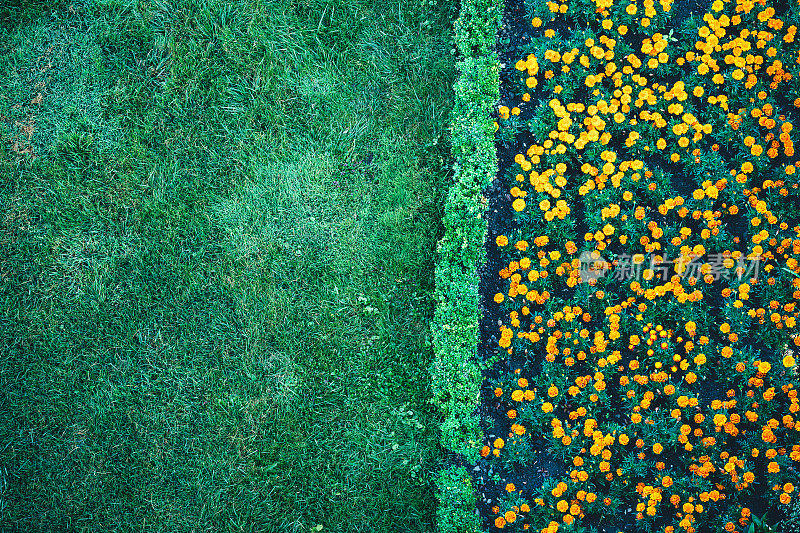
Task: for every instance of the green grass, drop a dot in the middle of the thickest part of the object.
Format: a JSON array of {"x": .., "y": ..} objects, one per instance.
[{"x": 216, "y": 269}]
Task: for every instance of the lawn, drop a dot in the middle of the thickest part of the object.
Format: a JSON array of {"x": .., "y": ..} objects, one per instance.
[{"x": 217, "y": 232}]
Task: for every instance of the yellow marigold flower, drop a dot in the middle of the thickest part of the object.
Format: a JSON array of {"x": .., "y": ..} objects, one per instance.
[
  {"x": 529, "y": 395},
  {"x": 727, "y": 351},
  {"x": 518, "y": 205}
]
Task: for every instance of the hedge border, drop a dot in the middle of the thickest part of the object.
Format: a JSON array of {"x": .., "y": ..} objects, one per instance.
[{"x": 455, "y": 372}]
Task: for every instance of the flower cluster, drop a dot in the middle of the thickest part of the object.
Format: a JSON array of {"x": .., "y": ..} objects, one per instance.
[{"x": 668, "y": 399}]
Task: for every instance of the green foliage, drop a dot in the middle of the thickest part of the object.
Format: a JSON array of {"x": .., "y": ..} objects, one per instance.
[
  {"x": 457, "y": 509},
  {"x": 455, "y": 373},
  {"x": 759, "y": 525},
  {"x": 476, "y": 27}
]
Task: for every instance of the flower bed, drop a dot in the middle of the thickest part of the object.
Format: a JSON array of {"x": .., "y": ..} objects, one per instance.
[{"x": 640, "y": 341}]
